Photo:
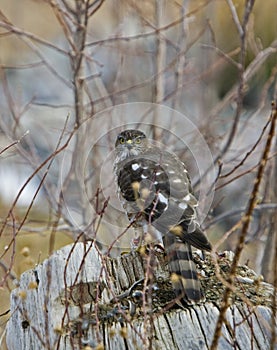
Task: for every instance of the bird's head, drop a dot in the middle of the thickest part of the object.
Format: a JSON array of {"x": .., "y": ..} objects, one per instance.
[{"x": 130, "y": 143}]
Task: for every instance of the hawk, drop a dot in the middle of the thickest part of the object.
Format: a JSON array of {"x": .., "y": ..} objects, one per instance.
[{"x": 155, "y": 189}]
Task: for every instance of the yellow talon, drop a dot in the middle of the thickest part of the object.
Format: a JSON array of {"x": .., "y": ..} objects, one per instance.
[{"x": 176, "y": 230}]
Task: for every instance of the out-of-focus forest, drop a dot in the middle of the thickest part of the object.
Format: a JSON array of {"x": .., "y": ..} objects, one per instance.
[{"x": 75, "y": 73}]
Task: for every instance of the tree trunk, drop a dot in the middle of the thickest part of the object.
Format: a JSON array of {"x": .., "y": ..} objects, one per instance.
[{"x": 79, "y": 298}]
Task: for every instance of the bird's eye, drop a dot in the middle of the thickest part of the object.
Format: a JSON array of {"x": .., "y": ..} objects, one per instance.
[
  {"x": 138, "y": 140},
  {"x": 121, "y": 140}
]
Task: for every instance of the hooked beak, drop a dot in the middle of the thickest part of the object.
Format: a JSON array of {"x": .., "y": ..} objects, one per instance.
[{"x": 129, "y": 144}]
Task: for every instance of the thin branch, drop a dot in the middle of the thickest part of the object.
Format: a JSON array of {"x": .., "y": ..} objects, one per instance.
[
  {"x": 239, "y": 211},
  {"x": 14, "y": 143},
  {"x": 248, "y": 74},
  {"x": 23, "y": 33},
  {"x": 248, "y": 171},
  {"x": 96, "y": 8},
  {"x": 245, "y": 225},
  {"x": 235, "y": 17},
  {"x": 241, "y": 75},
  {"x": 249, "y": 152},
  {"x": 226, "y": 56},
  {"x": 153, "y": 33},
  {"x": 53, "y": 155}
]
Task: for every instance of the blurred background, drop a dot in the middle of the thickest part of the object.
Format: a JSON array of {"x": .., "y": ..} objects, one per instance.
[{"x": 65, "y": 66}]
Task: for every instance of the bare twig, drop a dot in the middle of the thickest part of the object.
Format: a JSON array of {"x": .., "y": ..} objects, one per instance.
[
  {"x": 239, "y": 211},
  {"x": 248, "y": 153},
  {"x": 245, "y": 225}
]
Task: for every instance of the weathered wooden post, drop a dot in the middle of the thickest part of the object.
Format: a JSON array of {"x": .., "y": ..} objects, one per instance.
[{"x": 80, "y": 299}]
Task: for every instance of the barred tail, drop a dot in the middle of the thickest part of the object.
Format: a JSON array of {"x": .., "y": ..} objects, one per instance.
[{"x": 182, "y": 268}]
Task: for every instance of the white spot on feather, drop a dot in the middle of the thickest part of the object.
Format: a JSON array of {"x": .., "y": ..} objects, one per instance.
[
  {"x": 183, "y": 206},
  {"x": 177, "y": 181},
  {"x": 135, "y": 166},
  {"x": 187, "y": 198},
  {"x": 191, "y": 199},
  {"x": 162, "y": 198}
]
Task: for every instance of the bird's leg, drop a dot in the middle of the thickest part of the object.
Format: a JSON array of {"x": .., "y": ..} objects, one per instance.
[
  {"x": 136, "y": 242},
  {"x": 157, "y": 237},
  {"x": 141, "y": 236}
]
